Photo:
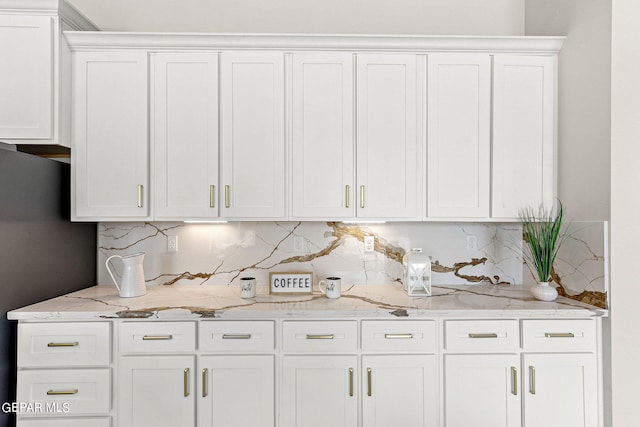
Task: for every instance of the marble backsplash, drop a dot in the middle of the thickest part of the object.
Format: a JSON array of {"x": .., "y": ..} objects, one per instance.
[{"x": 461, "y": 253}]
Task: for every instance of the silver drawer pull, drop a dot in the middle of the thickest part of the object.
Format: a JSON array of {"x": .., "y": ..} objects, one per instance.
[
  {"x": 236, "y": 336},
  {"x": 398, "y": 336},
  {"x": 157, "y": 337},
  {"x": 320, "y": 337},
  {"x": 62, "y": 392},
  {"x": 492, "y": 335},
  {"x": 63, "y": 344},
  {"x": 559, "y": 335}
]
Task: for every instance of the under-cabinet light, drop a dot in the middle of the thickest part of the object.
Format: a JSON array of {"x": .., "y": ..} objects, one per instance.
[
  {"x": 364, "y": 222},
  {"x": 205, "y": 222}
]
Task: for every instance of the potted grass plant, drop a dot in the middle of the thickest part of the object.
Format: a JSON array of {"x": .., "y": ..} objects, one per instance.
[{"x": 542, "y": 239}]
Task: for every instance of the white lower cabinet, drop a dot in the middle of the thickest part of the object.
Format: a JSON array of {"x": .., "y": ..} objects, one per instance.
[
  {"x": 236, "y": 391},
  {"x": 399, "y": 390},
  {"x": 481, "y": 390},
  {"x": 156, "y": 391},
  {"x": 319, "y": 391}
]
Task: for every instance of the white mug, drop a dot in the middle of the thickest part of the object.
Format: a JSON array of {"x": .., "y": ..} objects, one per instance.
[
  {"x": 332, "y": 287},
  {"x": 247, "y": 287}
]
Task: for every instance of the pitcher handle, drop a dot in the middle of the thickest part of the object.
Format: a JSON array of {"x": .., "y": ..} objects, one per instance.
[
  {"x": 109, "y": 270},
  {"x": 320, "y": 286}
]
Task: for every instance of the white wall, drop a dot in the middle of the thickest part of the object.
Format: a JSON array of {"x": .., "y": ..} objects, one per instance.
[
  {"x": 625, "y": 210},
  {"x": 497, "y": 17},
  {"x": 584, "y": 103}
]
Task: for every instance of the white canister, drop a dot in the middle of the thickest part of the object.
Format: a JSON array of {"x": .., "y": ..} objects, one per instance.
[{"x": 247, "y": 287}]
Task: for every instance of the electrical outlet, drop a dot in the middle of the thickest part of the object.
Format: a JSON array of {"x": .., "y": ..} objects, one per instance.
[
  {"x": 472, "y": 243},
  {"x": 298, "y": 244},
  {"x": 369, "y": 243},
  {"x": 172, "y": 243}
]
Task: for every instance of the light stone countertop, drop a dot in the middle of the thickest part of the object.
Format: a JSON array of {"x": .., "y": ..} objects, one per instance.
[{"x": 183, "y": 302}]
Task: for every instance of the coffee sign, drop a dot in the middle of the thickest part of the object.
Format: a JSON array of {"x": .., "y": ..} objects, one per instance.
[{"x": 291, "y": 283}]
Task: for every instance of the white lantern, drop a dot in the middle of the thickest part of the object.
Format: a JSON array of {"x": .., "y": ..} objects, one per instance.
[{"x": 417, "y": 279}]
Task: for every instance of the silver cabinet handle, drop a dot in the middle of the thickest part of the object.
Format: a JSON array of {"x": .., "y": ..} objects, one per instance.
[
  {"x": 140, "y": 195},
  {"x": 532, "y": 380},
  {"x": 398, "y": 336},
  {"x": 186, "y": 382},
  {"x": 369, "y": 386},
  {"x": 320, "y": 337},
  {"x": 514, "y": 381},
  {"x": 63, "y": 344},
  {"x": 205, "y": 392},
  {"x": 157, "y": 337},
  {"x": 350, "y": 382},
  {"x": 559, "y": 335},
  {"x": 491, "y": 335},
  {"x": 347, "y": 196},
  {"x": 62, "y": 392},
  {"x": 362, "y": 196},
  {"x": 226, "y": 196},
  {"x": 212, "y": 196},
  {"x": 236, "y": 336}
]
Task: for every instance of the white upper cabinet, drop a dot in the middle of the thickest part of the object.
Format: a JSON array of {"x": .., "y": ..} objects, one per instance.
[
  {"x": 459, "y": 135},
  {"x": 524, "y": 133},
  {"x": 35, "y": 71},
  {"x": 110, "y": 141},
  {"x": 185, "y": 135},
  {"x": 388, "y": 154},
  {"x": 26, "y": 77},
  {"x": 322, "y": 161},
  {"x": 252, "y": 135}
]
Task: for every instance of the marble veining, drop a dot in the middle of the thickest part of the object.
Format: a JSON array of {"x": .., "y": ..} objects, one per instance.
[
  {"x": 219, "y": 254},
  {"x": 389, "y": 301}
]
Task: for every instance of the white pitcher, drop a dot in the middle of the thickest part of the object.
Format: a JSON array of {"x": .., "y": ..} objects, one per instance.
[{"x": 132, "y": 283}]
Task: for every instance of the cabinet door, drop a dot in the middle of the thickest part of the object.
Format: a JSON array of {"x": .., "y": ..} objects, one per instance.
[
  {"x": 388, "y": 155},
  {"x": 185, "y": 135},
  {"x": 459, "y": 132},
  {"x": 110, "y": 146},
  {"x": 560, "y": 390},
  {"x": 322, "y": 152},
  {"x": 481, "y": 390},
  {"x": 384, "y": 376},
  {"x": 233, "y": 384},
  {"x": 252, "y": 144},
  {"x": 319, "y": 391},
  {"x": 524, "y": 133},
  {"x": 26, "y": 77},
  {"x": 156, "y": 391}
]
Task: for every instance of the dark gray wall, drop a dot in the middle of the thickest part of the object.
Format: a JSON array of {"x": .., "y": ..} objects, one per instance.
[{"x": 42, "y": 253}]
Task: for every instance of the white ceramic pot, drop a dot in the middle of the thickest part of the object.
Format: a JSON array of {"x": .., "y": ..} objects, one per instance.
[{"x": 543, "y": 291}]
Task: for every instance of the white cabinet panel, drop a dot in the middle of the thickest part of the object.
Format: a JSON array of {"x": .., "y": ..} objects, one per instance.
[
  {"x": 459, "y": 132},
  {"x": 185, "y": 135},
  {"x": 560, "y": 390},
  {"x": 322, "y": 153},
  {"x": 319, "y": 391},
  {"x": 156, "y": 391},
  {"x": 524, "y": 132},
  {"x": 236, "y": 391},
  {"x": 252, "y": 135},
  {"x": 26, "y": 77},
  {"x": 389, "y": 156},
  {"x": 110, "y": 145},
  {"x": 399, "y": 390},
  {"x": 482, "y": 390}
]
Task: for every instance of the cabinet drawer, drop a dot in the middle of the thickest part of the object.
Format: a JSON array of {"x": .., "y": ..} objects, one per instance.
[
  {"x": 145, "y": 337},
  {"x": 65, "y": 422},
  {"x": 559, "y": 335},
  {"x": 481, "y": 335},
  {"x": 67, "y": 391},
  {"x": 320, "y": 336},
  {"x": 236, "y": 336},
  {"x": 399, "y": 335},
  {"x": 64, "y": 344}
]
